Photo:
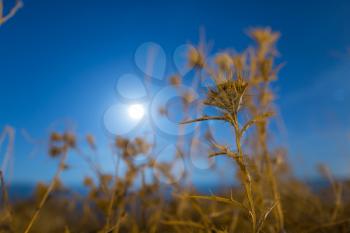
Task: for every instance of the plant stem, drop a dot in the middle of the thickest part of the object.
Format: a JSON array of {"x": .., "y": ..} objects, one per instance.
[
  {"x": 276, "y": 195},
  {"x": 48, "y": 191},
  {"x": 113, "y": 197},
  {"x": 247, "y": 182}
]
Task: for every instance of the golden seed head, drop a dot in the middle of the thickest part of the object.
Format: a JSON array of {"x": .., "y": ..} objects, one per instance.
[
  {"x": 188, "y": 97},
  {"x": 196, "y": 58},
  {"x": 88, "y": 182},
  {"x": 175, "y": 80},
  {"x": 55, "y": 137},
  {"x": 224, "y": 62},
  {"x": 142, "y": 146},
  {"x": 69, "y": 139},
  {"x": 227, "y": 95},
  {"x": 121, "y": 142},
  {"x": 55, "y": 151},
  {"x": 264, "y": 36}
]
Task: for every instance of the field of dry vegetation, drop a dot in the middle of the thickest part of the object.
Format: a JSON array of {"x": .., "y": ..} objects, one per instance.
[{"x": 267, "y": 197}]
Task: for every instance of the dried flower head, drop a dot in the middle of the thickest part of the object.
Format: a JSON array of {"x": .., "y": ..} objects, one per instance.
[
  {"x": 88, "y": 182},
  {"x": 188, "y": 97},
  {"x": 91, "y": 141},
  {"x": 121, "y": 142},
  {"x": 175, "y": 80},
  {"x": 227, "y": 95},
  {"x": 69, "y": 139},
  {"x": 196, "y": 58},
  {"x": 56, "y": 137},
  {"x": 264, "y": 36},
  {"x": 55, "y": 151},
  {"x": 224, "y": 62},
  {"x": 142, "y": 146},
  {"x": 131, "y": 151}
]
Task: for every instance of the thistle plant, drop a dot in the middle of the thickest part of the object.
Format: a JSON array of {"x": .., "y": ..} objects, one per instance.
[
  {"x": 226, "y": 96},
  {"x": 125, "y": 200}
]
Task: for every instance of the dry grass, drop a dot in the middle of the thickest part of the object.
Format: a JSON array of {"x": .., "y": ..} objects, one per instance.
[{"x": 267, "y": 199}]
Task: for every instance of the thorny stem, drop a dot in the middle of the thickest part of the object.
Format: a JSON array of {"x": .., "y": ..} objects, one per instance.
[
  {"x": 48, "y": 191},
  {"x": 247, "y": 182}
]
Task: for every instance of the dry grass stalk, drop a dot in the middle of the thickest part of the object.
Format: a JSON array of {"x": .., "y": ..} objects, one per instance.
[
  {"x": 240, "y": 96},
  {"x": 5, "y": 17}
]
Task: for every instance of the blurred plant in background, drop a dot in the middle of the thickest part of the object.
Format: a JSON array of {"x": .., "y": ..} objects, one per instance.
[{"x": 5, "y": 16}]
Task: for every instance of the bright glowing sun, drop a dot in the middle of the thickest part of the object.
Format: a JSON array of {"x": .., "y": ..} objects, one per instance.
[{"x": 136, "y": 111}]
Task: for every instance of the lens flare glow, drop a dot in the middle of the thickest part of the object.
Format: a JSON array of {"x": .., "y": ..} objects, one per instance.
[{"x": 136, "y": 111}]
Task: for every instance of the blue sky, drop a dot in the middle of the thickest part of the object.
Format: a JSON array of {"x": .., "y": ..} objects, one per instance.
[{"x": 61, "y": 59}]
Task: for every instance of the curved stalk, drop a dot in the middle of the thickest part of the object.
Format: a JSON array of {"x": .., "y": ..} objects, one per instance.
[{"x": 47, "y": 193}]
